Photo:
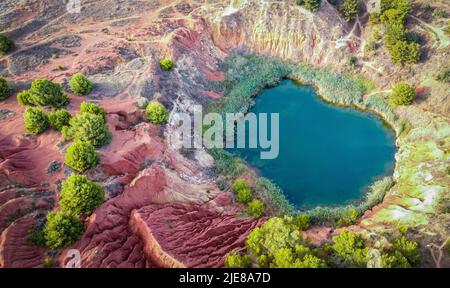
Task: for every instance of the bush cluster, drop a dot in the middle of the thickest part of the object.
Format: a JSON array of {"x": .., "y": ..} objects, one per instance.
[
  {"x": 6, "y": 45},
  {"x": 312, "y": 5},
  {"x": 156, "y": 113},
  {"x": 444, "y": 75},
  {"x": 81, "y": 156},
  {"x": 255, "y": 207},
  {"x": 80, "y": 85},
  {"x": 43, "y": 92},
  {"x": 402, "y": 48},
  {"x": 79, "y": 195},
  {"x": 234, "y": 260},
  {"x": 5, "y": 90},
  {"x": 36, "y": 121}
]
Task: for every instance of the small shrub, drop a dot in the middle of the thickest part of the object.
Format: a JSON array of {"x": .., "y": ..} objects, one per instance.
[
  {"x": 409, "y": 249},
  {"x": 402, "y": 94},
  {"x": 81, "y": 156},
  {"x": 439, "y": 13},
  {"x": 59, "y": 119},
  {"x": 87, "y": 127},
  {"x": 80, "y": 85},
  {"x": 5, "y": 91},
  {"x": 6, "y": 45},
  {"x": 404, "y": 52},
  {"x": 444, "y": 75},
  {"x": 88, "y": 107},
  {"x": 79, "y": 195},
  {"x": 156, "y": 113},
  {"x": 24, "y": 98},
  {"x": 43, "y": 92},
  {"x": 239, "y": 184},
  {"x": 348, "y": 217},
  {"x": 35, "y": 120},
  {"x": 302, "y": 221},
  {"x": 244, "y": 195},
  {"x": 62, "y": 230},
  {"x": 48, "y": 262},
  {"x": 371, "y": 46},
  {"x": 350, "y": 9},
  {"x": 238, "y": 261},
  {"x": 166, "y": 64},
  {"x": 255, "y": 208},
  {"x": 312, "y": 5}
]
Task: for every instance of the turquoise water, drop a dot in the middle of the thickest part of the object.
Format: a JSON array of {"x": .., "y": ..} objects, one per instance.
[{"x": 328, "y": 155}]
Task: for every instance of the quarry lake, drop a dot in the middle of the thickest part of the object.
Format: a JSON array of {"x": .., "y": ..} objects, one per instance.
[{"x": 328, "y": 155}]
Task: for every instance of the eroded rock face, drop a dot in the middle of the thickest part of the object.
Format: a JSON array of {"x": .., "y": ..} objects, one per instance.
[{"x": 189, "y": 235}]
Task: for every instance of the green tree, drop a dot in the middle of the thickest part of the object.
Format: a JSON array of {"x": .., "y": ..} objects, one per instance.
[
  {"x": 24, "y": 98},
  {"x": 350, "y": 9},
  {"x": 394, "y": 260},
  {"x": 234, "y": 260},
  {"x": 79, "y": 195},
  {"x": 5, "y": 91},
  {"x": 348, "y": 218},
  {"x": 156, "y": 113},
  {"x": 81, "y": 156},
  {"x": 402, "y": 94},
  {"x": 312, "y": 5},
  {"x": 444, "y": 75},
  {"x": 62, "y": 230},
  {"x": 43, "y": 92},
  {"x": 166, "y": 64},
  {"x": 404, "y": 52},
  {"x": 35, "y": 120},
  {"x": 351, "y": 249},
  {"x": 87, "y": 127},
  {"x": 409, "y": 249},
  {"x": 255, "y": 208},
  {"x": 88, "y": 107},
  {"x": 6, "y": 45},
  {"x": 59, "y": 119},
  {"x": 80, "y": 85},
  {"x": 302, "y": 221},
  {"x": 244, "y": 195}
]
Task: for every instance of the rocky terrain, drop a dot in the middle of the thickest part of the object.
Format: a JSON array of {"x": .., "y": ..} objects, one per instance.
[{"x": 164, "y": 209}]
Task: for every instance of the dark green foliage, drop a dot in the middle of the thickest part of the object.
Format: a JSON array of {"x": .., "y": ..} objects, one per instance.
[
  {"x": 59, "y": 119},
  {"x": 402, "y": 254},
  {"x": 350, "y": 249},
  {"x": 404, "y": 52},
  {"x": 403, "y": 46},
  {"x": 6, "y": 45},
  {"x": 87, "y": 127},
  {"x": 80, "y": 196},
  {"x": 444, "y": 75},
  {"x": 156, "y": 113},
  {"x": 402, "y": 94},
  {"x": 81, "y": 156},
  {"x": 350, "y": 9},
  {"x": 88, "y": 107},
  {"x": 80, "y": 85},
  {"x": 226, "y": 164},
  {"x": 62, "y": 230},
  {"x": 36, "y": 121},
  {"x": 238, "y": 261},
  {"x": 255, "y": 208},
  {"x": 166, "y": 64},
  {"x": 5, "y": 91},
  {"x": 43, "y": 92},
  {"x": 312, "y": 5}
]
